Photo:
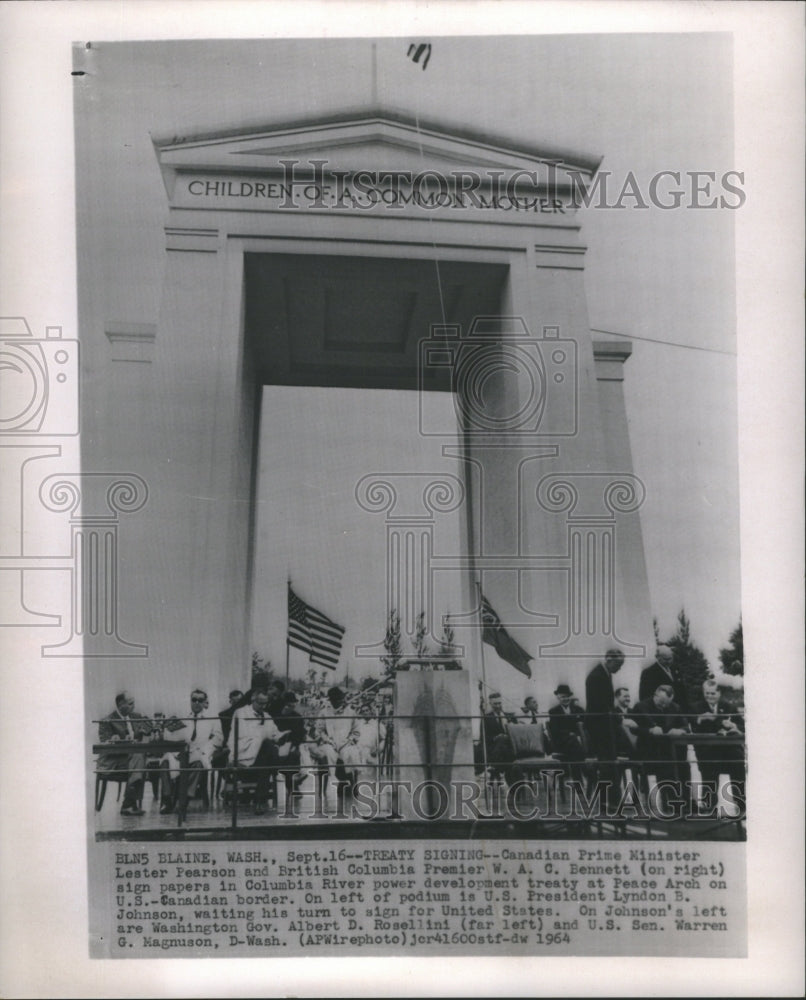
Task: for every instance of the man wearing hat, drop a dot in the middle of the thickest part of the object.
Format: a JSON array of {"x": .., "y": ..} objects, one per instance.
[{"x": 566, "y": 732}]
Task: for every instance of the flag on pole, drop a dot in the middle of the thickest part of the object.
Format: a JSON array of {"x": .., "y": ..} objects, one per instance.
[
  {"x": 495, "y": 635},
  {"x": 313, "y": 632}
]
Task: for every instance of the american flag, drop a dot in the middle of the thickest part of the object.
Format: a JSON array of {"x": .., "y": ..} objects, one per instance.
[{"x": 313, "y": 632}]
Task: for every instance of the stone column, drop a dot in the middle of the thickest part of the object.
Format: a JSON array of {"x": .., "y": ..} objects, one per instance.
[{"x": 201, "y": 517}]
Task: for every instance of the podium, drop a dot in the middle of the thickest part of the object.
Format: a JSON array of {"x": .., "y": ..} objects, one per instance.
[{"x": 433, "y": 740}]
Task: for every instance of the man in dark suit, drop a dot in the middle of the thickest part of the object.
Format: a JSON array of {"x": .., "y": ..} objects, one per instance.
[
  {"x": 565, "y": 727},
  {"x": 494, "y": 735},
  {"x": 626, "y": 728},
  {"x": 599, "y": 697},
  {"x": 658, "y": 718},
  {"x": 600, "y": 720},
  {"x": 292, "y": 727},
  {"x": 664, "y": 671},
  {"x": 125, "y": 725},
  {"x": 712, "y": 717},
  {"x": 237, "y": 699}
]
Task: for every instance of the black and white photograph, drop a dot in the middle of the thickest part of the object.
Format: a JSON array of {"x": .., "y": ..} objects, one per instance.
[{"x": 383, "y": 499}]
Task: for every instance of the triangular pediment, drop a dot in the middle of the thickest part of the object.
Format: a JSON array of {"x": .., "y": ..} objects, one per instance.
[{"x": 374, "y": 142}]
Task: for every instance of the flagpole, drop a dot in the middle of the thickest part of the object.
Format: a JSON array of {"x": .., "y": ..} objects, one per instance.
[
  {"x": 481, "y": 623},
  {"x": 287, "y": 626},
  {"x": 482, "y": 733}
]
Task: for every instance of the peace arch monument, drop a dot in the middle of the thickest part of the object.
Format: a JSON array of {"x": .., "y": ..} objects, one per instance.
[{"x": 371, "y": 250}]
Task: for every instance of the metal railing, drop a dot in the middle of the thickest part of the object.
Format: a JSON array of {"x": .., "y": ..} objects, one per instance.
[{"x": 381, "y": 756}]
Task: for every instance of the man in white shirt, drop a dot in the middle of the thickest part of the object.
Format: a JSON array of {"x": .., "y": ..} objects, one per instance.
[
  {"x": 253, "y": 745},
  {"x": 336, "y": 734},
  {"x": 529, "y": 711},
  {"x": 366, "y": 740},
  {"x": 203, "y": 735}
]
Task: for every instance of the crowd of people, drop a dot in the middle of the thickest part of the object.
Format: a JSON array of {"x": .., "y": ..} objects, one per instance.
[
  {"x": 259, "y": 735},
  {"x": 613, "y": 733},
  {"x": 269, "y": 731}
]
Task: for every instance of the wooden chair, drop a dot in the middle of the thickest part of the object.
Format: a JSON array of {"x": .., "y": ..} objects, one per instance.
[
  {"x": 532, "y": 756},
  {"x": 102, "y": 779},
  {"x": 239, "y": 781}
]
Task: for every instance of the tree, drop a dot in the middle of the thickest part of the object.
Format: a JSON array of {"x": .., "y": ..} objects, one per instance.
[
  {"x": 262, "y": 673},
  {"x": 689, "y": 658},
  {"x": 446, "y": 646},
  {"x": 732, "y": 656},
  {"x": 392, "y": 644},
  {"x": 421, "y": 631}
]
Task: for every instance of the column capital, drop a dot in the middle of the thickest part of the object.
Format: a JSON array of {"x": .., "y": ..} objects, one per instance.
[
  {"x": 409, "y": 496},
  {"x": 590, "y": 496},
  {"x": 609, "y": 358},
  {"x": 100, "y": 496}
]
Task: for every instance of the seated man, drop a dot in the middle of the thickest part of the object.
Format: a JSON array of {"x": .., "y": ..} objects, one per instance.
[
  {"x": 236, "y": 699},
  {"x": 203, "y": 737},
  {"x": 253, "y": 746},
  {"x": 529, "y": 712},
  {"x": 714, "y": 718},
  {"x": 292, "y": 727},
  {"x": 335, "y": 746},
  {"x": 277, "y": 702},
  {"x": 125, "y": 725},
  {"x": 367, "y": 739},
  {"x": 565, "y": 728},
  {"x": 494, "y": 738},
  {"x": 658, "y": 718}
]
